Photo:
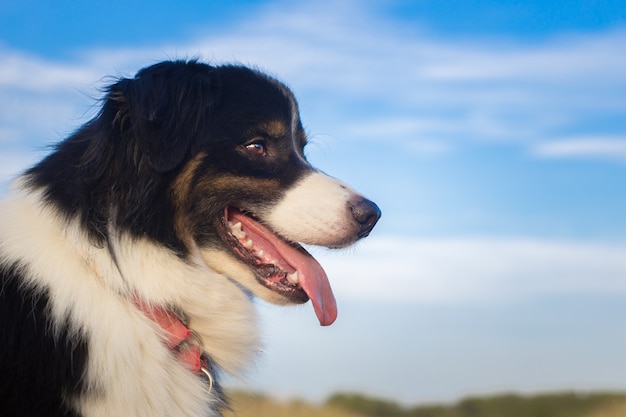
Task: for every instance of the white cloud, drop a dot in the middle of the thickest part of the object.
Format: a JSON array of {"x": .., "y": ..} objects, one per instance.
[
  {"x": 574, "y": 58},
  {"x": 20, "y": 71},
  {"x": 592, "y": 146},
  {"x": 460, "y": 270}
]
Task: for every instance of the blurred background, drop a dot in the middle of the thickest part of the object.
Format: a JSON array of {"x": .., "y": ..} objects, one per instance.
[{"x": 492, "y": 134}]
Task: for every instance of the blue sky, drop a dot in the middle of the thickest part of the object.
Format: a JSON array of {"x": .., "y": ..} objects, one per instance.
[{"x": 491, "y": 133}]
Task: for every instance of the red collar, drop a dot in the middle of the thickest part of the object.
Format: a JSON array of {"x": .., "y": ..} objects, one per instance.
[{"x": 179, "y": 338}]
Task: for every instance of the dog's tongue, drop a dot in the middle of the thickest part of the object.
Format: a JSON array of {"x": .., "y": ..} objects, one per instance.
[
  {"x": 313, "y": 280},
  {"x": 311, "y": 276}
]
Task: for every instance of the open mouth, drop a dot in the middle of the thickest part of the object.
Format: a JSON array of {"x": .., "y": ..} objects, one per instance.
[{"x": 281, "y": 266}]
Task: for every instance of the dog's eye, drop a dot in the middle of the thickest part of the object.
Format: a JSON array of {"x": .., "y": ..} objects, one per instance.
[{"x": 257, "y": 147}]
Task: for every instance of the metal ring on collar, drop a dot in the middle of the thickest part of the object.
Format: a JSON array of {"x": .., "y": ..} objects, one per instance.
[{"x": 209, "y": 377}]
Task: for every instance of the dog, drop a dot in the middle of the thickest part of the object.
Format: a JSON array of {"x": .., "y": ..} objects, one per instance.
[{"x": 130, "y": 256}]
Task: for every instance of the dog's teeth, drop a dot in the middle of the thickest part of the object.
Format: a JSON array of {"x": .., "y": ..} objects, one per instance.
[
  {"x": 293, "y": 278},
  {"x": 235, "y": 229},
  {"x": 260, "y": 254},
  {"x": 249, "y": 244}
]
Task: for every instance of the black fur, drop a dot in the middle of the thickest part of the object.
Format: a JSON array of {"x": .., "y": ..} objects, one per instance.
[{"x": 40, "y": 360}]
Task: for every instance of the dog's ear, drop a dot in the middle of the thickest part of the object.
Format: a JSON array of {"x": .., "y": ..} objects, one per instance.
[{"x": 168, "y": 107}]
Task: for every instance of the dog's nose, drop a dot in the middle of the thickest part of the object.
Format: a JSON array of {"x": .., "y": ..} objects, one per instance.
[{"x": 366, "y": 213}]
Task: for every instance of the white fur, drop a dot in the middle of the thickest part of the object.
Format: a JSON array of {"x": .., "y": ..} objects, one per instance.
[
  {"x": 315, "y": 211},
  {"x": 130, "y": 370}
]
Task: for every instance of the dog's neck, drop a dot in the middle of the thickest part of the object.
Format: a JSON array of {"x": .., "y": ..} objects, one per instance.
[{"x": 177, "y": 336}]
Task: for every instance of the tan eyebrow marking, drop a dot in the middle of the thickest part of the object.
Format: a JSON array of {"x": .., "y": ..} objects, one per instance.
[{"x": 275, "y": 128}]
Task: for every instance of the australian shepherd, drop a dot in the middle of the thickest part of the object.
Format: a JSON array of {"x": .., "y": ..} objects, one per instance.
[{"x": 130, "y": 255}]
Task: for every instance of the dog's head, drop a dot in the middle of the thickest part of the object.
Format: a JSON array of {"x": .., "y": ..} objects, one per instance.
[{"x": 219, "y": 168}]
